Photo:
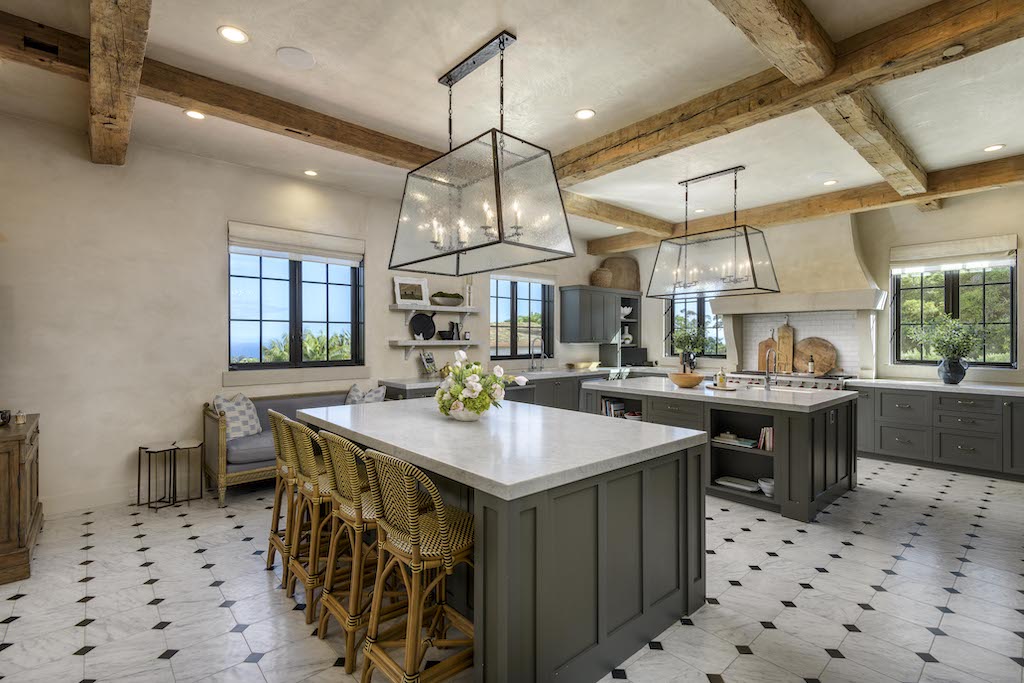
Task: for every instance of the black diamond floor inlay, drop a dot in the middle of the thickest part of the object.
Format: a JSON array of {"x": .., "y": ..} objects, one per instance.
[
  {"x": 167, "y": 654},
  {"x": 254, "y": 658},
  {"x": 619, "y": 674},
  {"x": 161, "y": 625},
  {"x": 834, "y": 654},
  {"x": 84, "y": 650},
  {"x": 928, "y": 657}
]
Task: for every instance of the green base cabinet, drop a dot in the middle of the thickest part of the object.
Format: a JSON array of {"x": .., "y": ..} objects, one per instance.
[{"x": 1013, "y": 436}]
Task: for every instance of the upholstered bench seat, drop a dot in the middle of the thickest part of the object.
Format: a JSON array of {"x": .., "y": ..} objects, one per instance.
[{"x": 249, "y": 449}]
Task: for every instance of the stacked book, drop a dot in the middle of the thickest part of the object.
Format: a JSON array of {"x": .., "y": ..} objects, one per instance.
[
  {"x": 612, "y": 408},
  {"x": 767, "y": 440}
]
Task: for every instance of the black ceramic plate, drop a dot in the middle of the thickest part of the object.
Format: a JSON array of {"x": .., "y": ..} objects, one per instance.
[{"x": 422, "y": 324}]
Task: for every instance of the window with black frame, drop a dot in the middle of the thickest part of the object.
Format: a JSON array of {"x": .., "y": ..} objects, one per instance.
[
  {"x": 695, "y": 312},
  {"x": 521, "y": 318},
  {"x": 293, "y": 313},
  {"x": 983, "y": 296}
]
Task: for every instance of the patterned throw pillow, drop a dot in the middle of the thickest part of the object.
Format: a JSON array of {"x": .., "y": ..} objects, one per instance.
[
  {"x": 240, "y": 415},
  {"x": 357, "y": 395}
]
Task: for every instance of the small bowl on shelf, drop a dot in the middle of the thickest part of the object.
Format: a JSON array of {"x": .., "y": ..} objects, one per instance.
[
  {"x": 767, "y": 486},
  {"x": 446, "y": 299},
  {"x": 633, "y": 416},
  {"x": 686, "y": 380},
  {"x": 626, "y": 310}
]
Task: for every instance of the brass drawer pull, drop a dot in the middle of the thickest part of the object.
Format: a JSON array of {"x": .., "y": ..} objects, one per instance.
[
  {"x": 906, "y": 441},
  {"x": 902, "y": 405},
  {"x": 965, "y": 403},
  {"x": 965, "y": 448},
  {"x": 966, "y": 421}
]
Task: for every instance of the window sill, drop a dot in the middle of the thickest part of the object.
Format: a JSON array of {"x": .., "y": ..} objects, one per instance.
[{"x": 242, "y": 378}]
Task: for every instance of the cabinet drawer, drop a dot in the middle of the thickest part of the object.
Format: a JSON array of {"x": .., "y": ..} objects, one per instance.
[
  {"x": 905, "y": 442},
  {"x": 959, "y": 403},
  {"x": 971, "y": 423},
  {"x": 675, "y": 406},
  {"x": 980, "y": 451},
  {"x": 906, "y": 407}
]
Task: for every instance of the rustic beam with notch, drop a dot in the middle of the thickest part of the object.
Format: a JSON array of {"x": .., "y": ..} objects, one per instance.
[
  {"x": 118, "y": 33},
  {"x": 786, "y": 33},
  {"x": 578, "y": 205},
  {"x": 949, "y": 183},
  {"x": 860, "y": 120},
  {"x": 930, "y": 205},
  {"x": 904, "y": 46}
]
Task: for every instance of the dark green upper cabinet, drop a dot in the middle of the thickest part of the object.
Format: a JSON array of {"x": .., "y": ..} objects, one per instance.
[{"x": 590, "y": 315}]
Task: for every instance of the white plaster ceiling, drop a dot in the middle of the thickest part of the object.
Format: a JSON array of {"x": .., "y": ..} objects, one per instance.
[
  {"x": 786, "y": 158},
  {"x": 949, "y": 115},
  {"x": 844, "y": 19}
]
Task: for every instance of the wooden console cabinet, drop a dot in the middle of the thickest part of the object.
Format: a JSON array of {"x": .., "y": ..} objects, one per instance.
[{"x": 21, "y": 513}]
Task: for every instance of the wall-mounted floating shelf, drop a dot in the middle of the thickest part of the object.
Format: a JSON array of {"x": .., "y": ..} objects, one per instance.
[
  {"x": 409, "y": 345},
  {"x": 412, "y": 309}
]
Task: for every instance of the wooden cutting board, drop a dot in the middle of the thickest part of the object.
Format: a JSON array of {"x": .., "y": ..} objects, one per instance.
[
  {"x": 822, "y": 350},
  {"x": 762, "y": 351},
  {"x": 785, "y": 348}
]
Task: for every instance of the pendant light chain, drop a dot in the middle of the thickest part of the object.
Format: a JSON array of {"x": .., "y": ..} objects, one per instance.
[
  {"x": 449, "y": 117},
  {"x": 501, "y": 86}
]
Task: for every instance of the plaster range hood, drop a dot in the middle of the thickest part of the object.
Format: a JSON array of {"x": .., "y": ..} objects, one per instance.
[{"x": 819, "y": 267}]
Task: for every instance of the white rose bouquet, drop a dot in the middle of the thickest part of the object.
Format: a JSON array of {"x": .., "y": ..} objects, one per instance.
[{"x": 467, "y": 393}]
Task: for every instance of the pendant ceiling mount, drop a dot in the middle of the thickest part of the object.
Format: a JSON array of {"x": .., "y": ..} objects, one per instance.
[
  {"x": 729, "y": 261},
  {"x": 488, "y": 204}
]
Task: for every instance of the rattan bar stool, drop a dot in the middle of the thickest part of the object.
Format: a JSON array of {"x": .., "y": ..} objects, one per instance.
[
  {"x": 422, "y": 549},
  {"x": 280, "y": 540},
  {"x": 345, "y": 593},
  {"x": 312, "y": 516}
]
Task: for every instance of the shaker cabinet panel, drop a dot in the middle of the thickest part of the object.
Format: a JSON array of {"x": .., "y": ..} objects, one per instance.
[
  {"x": 1013, "y": 436},
  {"x": 866, "y": 420},
  {"x": 589, "y": 315}
]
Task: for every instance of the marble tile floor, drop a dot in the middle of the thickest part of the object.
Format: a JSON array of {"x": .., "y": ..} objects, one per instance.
[{"x": 916, "y": 576}]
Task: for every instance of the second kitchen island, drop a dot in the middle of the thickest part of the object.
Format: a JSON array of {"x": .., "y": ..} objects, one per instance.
[{"x": 814, "y": 459}]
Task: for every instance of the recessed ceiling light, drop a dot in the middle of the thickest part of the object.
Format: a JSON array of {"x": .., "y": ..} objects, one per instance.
[
  {"x": 233, "y": 34},
  {"x": 699, "y": 210},
  {"x": 830, "y": 183},
  {"x": 994, "y": 148},
  {"x": 296, "y": 58},
  {"x": 310, "y": 172},
  {"x": 584, "y": 114},
  {"x": 619, "y": 227},
  {"x": 193, "y": 114}
]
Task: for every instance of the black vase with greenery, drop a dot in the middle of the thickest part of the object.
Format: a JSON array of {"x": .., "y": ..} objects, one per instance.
[{"x": 951, "y": 340}]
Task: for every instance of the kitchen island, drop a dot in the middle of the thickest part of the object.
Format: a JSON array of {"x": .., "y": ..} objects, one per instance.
[
  {"x": 589, "y": 532},
  {"x": 812, "y": 460}
]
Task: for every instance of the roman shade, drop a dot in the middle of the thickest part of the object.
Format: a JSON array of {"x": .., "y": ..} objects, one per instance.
[
  {"x": 297, "y": 245},
  {"x": 979, "y": 252}
]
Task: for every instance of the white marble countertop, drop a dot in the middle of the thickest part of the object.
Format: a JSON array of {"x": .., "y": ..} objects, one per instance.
[
  {"x": 779, "y": 398},
  {"x": 414, "y": 383},
  {"x": 991, "y": 388},
  {"x": 514, "y": 451}
]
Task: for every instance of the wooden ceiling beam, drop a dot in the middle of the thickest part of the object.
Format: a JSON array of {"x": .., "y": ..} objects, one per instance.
[
  {"x": 929, "y": 205},
  {"x": 578, "y": 205},
  {"x": 907, "y": 45},
  {"x": 118, "y": 32},
  {"x": 786, "y": 33},
  {"x": 860, "y": 120},
  {"x": 949, "y": 183}
]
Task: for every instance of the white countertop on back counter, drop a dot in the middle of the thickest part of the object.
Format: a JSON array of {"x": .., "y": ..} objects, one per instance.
[
  {"x": 514, "y": 451},
  {"x": 414, "y": 383},
  {"x": 982, "y": 388},
  {"x": 778, "y": 398}
]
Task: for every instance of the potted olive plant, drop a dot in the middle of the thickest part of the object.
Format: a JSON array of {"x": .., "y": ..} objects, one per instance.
[
  {"x": 688, "y": 340},
  {"x": 952, "y": 341}
]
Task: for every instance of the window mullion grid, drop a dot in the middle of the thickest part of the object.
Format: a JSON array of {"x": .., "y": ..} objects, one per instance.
[
  {"x": 295, "y": 313},
  {"x": 513, "y": 322}
]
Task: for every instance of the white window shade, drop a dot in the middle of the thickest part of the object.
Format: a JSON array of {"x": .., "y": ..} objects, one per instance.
[
  {"x": 980, "y": 252},
  {"x": 297, "y": 245}
]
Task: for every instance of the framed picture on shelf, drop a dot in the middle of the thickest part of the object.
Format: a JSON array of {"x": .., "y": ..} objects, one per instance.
[
  {"x": 411, "y": 290},
  {"x": 429, "y": 366}
]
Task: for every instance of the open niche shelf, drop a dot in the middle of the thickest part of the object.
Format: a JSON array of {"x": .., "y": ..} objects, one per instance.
[{"x": 734, "y": 460}]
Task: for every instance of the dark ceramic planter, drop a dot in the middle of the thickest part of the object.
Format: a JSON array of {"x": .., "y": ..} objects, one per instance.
[{"x": 952, "y": 370}]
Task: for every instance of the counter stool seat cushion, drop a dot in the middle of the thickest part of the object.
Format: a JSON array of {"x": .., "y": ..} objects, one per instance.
[
  {"x": 249, "y": 466},
  {"x": 461, "y": 530},
  {"x": 252, "y": 448}
]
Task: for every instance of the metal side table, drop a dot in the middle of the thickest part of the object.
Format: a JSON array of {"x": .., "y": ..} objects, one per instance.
[{"x": 166, "y": 457}]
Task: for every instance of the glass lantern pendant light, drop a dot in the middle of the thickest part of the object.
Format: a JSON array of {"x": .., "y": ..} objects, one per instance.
[
  {"x": 488, "y": 204},
  {"x": 726, "y": 262}
]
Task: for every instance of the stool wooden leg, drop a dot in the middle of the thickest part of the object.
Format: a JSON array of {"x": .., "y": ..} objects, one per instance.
[
  {"x": 414, "y": 625},
  {"x": 355, "y": 599},
  {"x": 373, "y": 628},
  {"x": 291, "y": 500},
  {"x": 301, "y": 509},
  {"x": 332, "y": 558},
  {"x": 275, "y": 521},
  {"x": 313, "y": 566}
]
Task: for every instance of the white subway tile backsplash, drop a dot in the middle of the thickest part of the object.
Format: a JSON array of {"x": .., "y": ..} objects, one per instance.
[{"x": 838, "y": 327}]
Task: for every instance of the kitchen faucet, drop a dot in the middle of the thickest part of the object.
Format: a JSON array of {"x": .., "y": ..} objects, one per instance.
[{"x": 537, "y": 363}]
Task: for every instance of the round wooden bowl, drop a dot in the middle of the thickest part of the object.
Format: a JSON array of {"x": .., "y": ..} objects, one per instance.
[{"x": 686, "y": 380}]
